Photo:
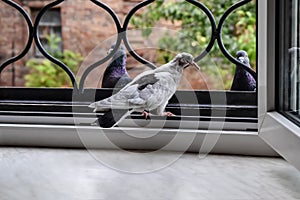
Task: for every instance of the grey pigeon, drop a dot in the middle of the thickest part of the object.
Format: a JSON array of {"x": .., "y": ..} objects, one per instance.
[
  {"x": 115, "y": 75},
  {"x": 149, "y": 91},
  {"x": 243, "y": 80}
]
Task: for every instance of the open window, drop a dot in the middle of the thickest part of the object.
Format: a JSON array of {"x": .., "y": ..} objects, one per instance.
[
  {"x": 280, "y": 100},
  {"x": 196, "y": 110}
]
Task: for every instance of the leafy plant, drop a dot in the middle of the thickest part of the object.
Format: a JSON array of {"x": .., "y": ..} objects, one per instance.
[
  {"x": 43, "y": 73},
  {"x": 194, "y": 32}
]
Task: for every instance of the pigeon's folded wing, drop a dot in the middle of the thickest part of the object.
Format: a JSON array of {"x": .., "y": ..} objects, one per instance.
[
  {"x": 154, "y": 89},
  {"x": 147, "y": 91},
  {"x": 116, "y": 101}
]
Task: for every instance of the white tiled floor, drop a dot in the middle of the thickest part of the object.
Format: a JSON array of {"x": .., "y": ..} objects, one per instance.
[{"x": 76, "y": 174}]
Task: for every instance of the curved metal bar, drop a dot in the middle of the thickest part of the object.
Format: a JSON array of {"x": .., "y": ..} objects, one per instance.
[
  {"x": 216, "y": 34},
  {"x": 213, "y": 28},
  {"x": 96, "y": 64},
  {"x": 111, "y": 12},
  {"x": 125, "y": 38},
  {"x": 30, "y": 35},
  {"x": 110, "y": 55},
  {"x": 220, "y": 41},
  {"x": 41, "y": 48}
]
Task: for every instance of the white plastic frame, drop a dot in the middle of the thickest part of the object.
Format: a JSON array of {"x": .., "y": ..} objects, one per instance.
[{"x": 276, "y": 130}]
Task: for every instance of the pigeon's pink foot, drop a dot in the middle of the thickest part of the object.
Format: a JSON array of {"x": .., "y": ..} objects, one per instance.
[
  {"x": 168, "y": 114},
  {"x": 145, "y": 114}
]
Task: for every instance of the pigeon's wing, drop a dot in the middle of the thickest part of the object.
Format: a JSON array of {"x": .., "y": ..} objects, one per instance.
[
  {"x": 132, "y": 96},
  {"x": 155, "y": 90},
  {"x": 128, "y": 97},
  {"x": 147, "y": 91},
  {"x": 146, "y": 80},
  {"x": 118, "y": 100}
]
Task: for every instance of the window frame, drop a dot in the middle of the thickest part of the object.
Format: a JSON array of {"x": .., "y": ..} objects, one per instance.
[
  {"x": 278, "y": 131},
  {"x": 238, "y": 142}
]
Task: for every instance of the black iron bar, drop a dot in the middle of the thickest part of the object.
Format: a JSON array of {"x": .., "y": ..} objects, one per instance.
[
  {"x": 125, "y": 28},
  {"x": 13, "y": 71},
  {"x": 220, "y": 41},
  {"x": 41, "y": 48},
  {"x": 30, "y": 35},
  {"x": 213, "y": 28},
  {"x": 105, "y": 59}
]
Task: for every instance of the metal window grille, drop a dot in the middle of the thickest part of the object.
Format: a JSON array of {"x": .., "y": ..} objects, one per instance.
[
  {"x": 59, "y": 103},
  {"x": 50, "y": 24}
]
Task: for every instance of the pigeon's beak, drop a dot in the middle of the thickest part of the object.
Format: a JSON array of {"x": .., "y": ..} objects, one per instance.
[
  {"x": 195, "y": 65},
  {"x": 242, "y": 59}
]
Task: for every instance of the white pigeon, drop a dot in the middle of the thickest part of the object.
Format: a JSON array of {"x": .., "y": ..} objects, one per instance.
[{"x": 150, "y": 91}]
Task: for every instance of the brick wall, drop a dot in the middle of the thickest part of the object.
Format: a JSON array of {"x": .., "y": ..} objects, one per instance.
[
  {"x": 86, "y": 29},
  {"x": 12, "y": 36}
]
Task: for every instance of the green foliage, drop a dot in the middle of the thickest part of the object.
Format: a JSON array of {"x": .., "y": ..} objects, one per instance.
[
  {"x": 195, "y": 31},
  {"x": 43, "y": 73}
]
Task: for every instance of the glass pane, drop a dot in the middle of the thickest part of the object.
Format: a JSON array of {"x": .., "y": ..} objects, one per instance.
[
  {"x": 51, "y": 17},
  {"x": 293, "y": 54},
  {"x": 289, "y": 67}
]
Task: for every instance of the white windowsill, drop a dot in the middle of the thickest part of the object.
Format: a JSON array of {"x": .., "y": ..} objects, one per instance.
[
  {"x": 283, "y": 135},
  {"x": 61, "y": 136}
]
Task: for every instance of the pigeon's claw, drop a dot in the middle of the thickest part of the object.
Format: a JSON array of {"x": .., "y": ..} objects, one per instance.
[
  {"x": 145, "y": 114},
  {"x": 168, "y": 114}
]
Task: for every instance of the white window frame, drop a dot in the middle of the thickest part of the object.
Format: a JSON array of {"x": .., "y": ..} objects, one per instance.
[
  {"x": 275, "y": 129},
  {"x": 233, "y": 142}
]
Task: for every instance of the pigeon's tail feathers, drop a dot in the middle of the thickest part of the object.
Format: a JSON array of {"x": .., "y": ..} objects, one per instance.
[
  {"x": 112, "y": 118},
  {"x": 98, "y": 107},
  {"x": 92, "y": 105}
]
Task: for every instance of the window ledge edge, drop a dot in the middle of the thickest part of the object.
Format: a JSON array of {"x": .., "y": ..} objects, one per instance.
[{"x": 282, "y": 135}]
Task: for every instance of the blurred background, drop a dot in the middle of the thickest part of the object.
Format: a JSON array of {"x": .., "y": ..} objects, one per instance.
[{"x": 79, "y": 33}]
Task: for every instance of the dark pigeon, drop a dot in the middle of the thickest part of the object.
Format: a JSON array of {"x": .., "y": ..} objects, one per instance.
[
  {"x": 115, "y": 75},
  {"x": 243, "y": 80}
]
